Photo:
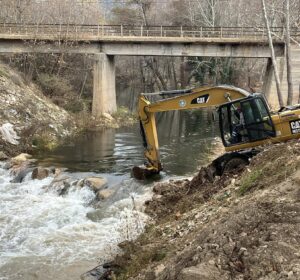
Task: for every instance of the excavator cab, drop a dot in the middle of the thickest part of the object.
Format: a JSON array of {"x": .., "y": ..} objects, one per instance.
[{"x": 245, "y": 120}]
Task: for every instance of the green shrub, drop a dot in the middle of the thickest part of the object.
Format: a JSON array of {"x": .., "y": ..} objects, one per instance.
[
  {"x": 122, "y": 112},
  {"x": 53, "y": 85},
  {"x": 158, "y": 256},
  {"x": 74, "y": 106},
  {"x": 250, "y": 181},
  {"x": 3, "y": 72},
  {"x": 44, "y": 142}
]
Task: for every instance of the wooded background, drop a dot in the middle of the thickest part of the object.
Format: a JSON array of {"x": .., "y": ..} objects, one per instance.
[{"x": 67, "y": 78}]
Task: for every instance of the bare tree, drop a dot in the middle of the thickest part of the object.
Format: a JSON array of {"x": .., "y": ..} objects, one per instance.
[
  {"x": 280, "y": 100},
  {"x": 288, "y": 53}
]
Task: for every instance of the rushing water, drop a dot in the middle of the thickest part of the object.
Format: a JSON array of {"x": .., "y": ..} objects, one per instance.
[{"x": 47, "y": 236}]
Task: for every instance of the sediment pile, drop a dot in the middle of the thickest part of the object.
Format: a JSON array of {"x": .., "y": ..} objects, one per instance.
[{"x": 242, "y": 225}]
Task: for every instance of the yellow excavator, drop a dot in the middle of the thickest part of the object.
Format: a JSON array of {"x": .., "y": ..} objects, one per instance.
[{"x": 245, "y": 122}]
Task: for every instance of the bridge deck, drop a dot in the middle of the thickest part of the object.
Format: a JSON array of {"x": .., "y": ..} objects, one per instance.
[
  {"x": 140, "y": 33},
  {"x": 141, "y": 40},
  {"x": 134, "y": 39}
]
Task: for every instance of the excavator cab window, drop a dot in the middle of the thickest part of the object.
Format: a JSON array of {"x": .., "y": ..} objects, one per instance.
[{"x": 245, "y": 121}]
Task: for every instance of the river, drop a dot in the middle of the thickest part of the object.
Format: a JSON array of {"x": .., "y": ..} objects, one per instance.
[{"x": 47, "y": 236}]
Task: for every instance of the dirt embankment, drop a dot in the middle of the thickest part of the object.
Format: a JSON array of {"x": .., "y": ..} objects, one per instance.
[
  {"x": 34, "y": 118},
  {"x": 243, "y": 225}
]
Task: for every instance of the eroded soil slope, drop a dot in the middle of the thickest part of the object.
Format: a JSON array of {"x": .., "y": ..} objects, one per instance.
[
  {"x": 35, "y": 119},
  {"x": 244, "y": 225}
]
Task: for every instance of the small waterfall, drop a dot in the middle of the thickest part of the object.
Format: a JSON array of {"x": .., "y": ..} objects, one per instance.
[{"x": 41, "y": 228}]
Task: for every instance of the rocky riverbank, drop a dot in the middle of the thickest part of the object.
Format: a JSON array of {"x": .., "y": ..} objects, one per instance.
[
  {"x": 23, "y": 166},
  {"x": 243, "y": 225},
  {"x": 122, "y": 118}
]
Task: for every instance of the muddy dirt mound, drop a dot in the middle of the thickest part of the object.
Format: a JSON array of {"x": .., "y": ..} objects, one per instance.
[
  {"x": 255, "y": 240},
  {"x": 238, "y": 226},
  {"x": 177, "y": 197}
]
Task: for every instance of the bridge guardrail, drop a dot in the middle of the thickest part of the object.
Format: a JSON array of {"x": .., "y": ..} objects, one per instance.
[{"x": 81, "y": 32}]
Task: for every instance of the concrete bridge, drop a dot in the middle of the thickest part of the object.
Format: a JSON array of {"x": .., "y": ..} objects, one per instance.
[{"x": 107, "y": 41}]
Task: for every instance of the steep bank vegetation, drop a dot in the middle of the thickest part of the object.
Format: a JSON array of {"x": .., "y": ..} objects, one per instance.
[
  {"x": 39, "y": 122},
  {"x": 36, "y": 121}
]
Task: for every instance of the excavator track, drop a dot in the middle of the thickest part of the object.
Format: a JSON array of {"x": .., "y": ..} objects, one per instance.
[{"x": 233, "y": 160}]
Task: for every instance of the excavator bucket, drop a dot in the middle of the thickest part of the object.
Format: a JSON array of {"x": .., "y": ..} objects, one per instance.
[{"x": 142, "y": 172}]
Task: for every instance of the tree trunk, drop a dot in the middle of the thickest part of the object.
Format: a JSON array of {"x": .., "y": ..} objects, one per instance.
[
  {"x": 280, "y": 100},
  {"x": 299, "y": 95},
  {"x": 159, "y": 78},
  {"x": 142, "y": 76},
  {"x": 144, "y": 15},
  {"x": 182, "y": 73},
  {"x": 83, "y": 84},
  {"x": 288, "y": 53},
  {"x": 174, "y": 73}
]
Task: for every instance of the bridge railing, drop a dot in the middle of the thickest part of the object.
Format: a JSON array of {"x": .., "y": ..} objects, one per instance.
[{"x": 79, "y": 32}]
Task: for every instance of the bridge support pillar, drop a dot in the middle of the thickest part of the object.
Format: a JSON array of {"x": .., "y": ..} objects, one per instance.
[
  {"x": 270, "y": 85},
  {"x": 104, "y": 94}
]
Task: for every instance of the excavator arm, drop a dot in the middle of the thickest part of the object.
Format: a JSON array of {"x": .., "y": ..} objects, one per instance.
[{"x": 202, "y": 97}]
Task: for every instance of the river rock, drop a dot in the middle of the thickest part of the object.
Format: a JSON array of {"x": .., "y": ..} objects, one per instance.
[
  {"x": 95, "y": 215},
  {"x": 98, "y": 273},
  {"x": 104, "y": 194},
  {"x": 65, "y": 188},
  {"x": 159, "y": 269},
  {"x": 7, "y": 165},
  {"x": 20, "y": 171},
  {"x": 108, "y": 116},
  {"x": 3, "y": 156},
  {"x": 58, "y": 171},
  {"x": 96, "y": 183},
  {"x": 39, "y": 173},
  {"x": 203, "y": 271},
  {"x": 60, "y": 184},
  {"x": 20, "y": 159},
  {"x": 60, "y": 178},
  {"x": 80, "y": 183}
]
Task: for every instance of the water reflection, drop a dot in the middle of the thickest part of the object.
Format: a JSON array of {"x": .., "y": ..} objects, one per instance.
[{"x": 185, "y": 141}]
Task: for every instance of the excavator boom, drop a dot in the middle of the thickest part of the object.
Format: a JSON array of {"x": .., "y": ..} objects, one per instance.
[
  {"x": 180, "y": 100},
  {"x": 245, "y": 122}
]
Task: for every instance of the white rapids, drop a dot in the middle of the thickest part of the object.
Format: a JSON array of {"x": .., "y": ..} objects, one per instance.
[{"x": 46, "y": 236}]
